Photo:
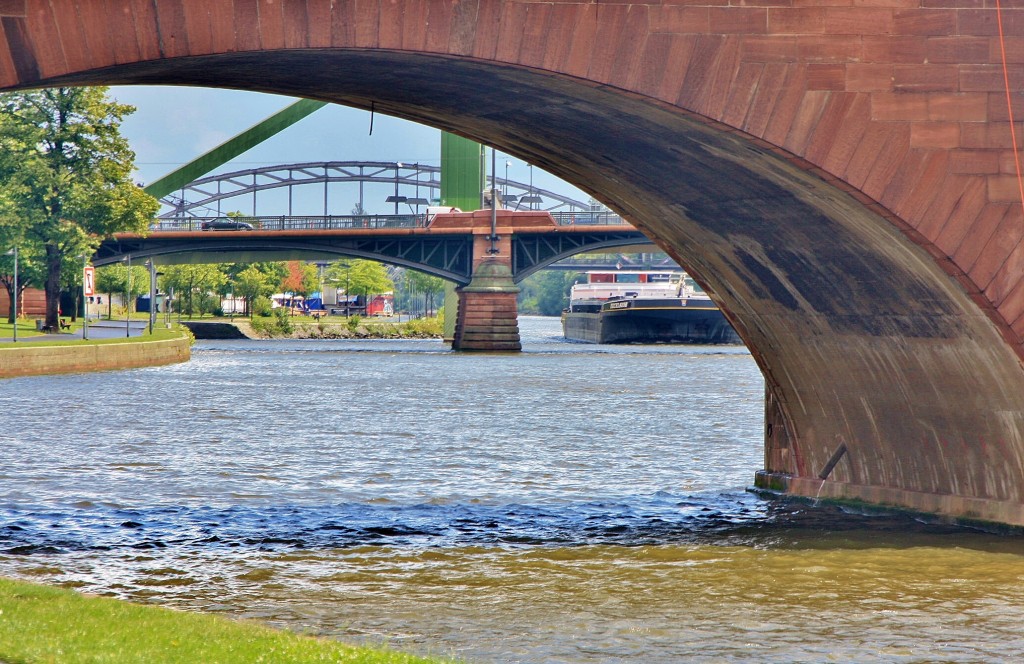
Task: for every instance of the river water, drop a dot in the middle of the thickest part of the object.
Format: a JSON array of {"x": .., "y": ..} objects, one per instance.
[{"x": 571, "y": 503}]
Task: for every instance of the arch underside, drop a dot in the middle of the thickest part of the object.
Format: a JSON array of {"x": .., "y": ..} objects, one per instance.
[{"x": 863, "y": 340}]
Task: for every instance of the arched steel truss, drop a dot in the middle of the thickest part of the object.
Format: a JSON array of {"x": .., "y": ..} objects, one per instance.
[
  {"x": 535, "y": 251},
  {"x": 204, "y": 197},
  {"x": 446, "y": 256}
]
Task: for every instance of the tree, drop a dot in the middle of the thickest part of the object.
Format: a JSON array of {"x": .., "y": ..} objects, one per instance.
[
  {"x": 192, "y": 284},
  {"x": 302, "y": 278},
  {"x": 275, "y": 272},
  {"x": 70, "y": 171},
  {"x": 112, "y": 279},
  {"x": 546, "y": 292},
  {"x": 11, "y": 236},
  {"x": 252, "y": 283},
  {"x": 360, "y": 276},
  {"x": 427, "y": 284}
]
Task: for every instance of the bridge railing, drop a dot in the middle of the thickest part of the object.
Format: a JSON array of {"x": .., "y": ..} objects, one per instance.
[
  {"x": 585, "y": 218},
  {"x": 361, "y": 221},
  {"x": 289, "y": 222}
]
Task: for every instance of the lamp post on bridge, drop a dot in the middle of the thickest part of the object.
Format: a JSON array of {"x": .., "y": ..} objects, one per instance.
[{"x": 396, "y": 199}]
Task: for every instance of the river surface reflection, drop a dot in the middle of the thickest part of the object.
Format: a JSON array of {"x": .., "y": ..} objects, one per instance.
[{"x": 572, "y": 503}]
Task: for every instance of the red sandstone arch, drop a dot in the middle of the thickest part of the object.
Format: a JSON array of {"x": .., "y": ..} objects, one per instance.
[{"x": 842, "y": 177}]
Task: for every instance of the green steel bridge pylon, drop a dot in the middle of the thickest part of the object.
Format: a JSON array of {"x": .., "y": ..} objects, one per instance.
[{"x": 233, "y": 147}]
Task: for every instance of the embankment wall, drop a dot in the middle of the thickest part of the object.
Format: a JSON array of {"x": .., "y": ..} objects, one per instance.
[{"x": 30, "y": 360}]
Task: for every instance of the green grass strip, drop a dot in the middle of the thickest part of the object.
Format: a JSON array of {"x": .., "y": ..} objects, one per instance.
[
  {"x": 45, "y": 624},
  {"x": 26, "y": 339}
]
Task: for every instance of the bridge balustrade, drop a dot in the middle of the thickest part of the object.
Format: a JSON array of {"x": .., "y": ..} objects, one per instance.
[
  {"x": 596, "y": 218},
  {"x": 292, "y": 222}
]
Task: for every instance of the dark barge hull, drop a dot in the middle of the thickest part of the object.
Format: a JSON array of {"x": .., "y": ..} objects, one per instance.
[{"x": 650, "y": 322}]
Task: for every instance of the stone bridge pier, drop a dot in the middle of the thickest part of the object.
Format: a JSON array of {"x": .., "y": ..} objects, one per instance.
[{"x": 487, "y": 319}]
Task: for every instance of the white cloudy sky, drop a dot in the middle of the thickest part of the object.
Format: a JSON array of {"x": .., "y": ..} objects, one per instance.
[{"x": 174, "y": 125}]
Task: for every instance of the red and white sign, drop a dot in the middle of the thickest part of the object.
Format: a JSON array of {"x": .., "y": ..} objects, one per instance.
[{"x": 89, "y": 283}]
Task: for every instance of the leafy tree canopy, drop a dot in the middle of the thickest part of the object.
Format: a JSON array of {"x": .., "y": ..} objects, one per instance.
[
  {"x": 423, "y": 282},
  {"x": 193, "y": 285},
  {"x": 303, "y": 278},
  {"x": 360, "y": 276},
  {"x": 67, "y": 171}
]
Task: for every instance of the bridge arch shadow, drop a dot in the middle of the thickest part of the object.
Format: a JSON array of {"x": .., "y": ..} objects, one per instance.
[{"x": 865, "y": 342}]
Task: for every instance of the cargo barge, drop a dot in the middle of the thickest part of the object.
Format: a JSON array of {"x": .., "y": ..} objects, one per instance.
[{"x": 645, "y": 308}]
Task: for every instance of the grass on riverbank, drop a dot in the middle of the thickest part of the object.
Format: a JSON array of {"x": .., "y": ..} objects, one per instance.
[
  {"x": 32, "y": 337},
  {"x": 45, "y": 624},
  {"x": 281, "y": 325}
]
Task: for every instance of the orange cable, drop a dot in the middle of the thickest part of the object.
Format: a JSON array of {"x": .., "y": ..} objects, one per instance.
[{"x": 1009, "y": 102}]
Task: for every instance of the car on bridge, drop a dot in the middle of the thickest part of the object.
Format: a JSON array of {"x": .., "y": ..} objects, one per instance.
[{"x": 226, "y": 224}]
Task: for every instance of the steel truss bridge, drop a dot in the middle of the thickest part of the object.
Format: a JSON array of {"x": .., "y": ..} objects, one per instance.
[
  {"x": 405, "y": 240},
  {"x": 412, "y": 186}
]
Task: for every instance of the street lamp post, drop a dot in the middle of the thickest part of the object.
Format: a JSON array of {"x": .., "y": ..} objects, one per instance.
[
  {"x": 128, "y": 299},
  {"x": 85, "y": 297},
  {"x": 493, "y": 249},
  {"x": 14, "y": 252},
  {"x": 152, "y": 294},
  {"x": 531, "y": 185}
]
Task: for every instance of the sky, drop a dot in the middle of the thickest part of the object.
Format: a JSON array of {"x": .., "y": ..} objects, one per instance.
[{"x": 174, "y": 125}]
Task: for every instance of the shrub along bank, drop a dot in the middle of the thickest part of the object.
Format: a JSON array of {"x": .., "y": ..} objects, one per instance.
[{"x": 281, "y": 325}]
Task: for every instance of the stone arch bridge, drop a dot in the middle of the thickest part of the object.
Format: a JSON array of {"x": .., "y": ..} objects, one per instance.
[{"x": 844, "y": 176}]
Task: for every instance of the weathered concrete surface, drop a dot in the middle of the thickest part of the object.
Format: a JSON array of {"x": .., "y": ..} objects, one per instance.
[
  {"x": 841, "y": 175},
  {"x": 32, "y": 360}
]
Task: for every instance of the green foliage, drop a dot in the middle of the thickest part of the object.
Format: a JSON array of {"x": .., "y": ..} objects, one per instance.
[
  {"x": 113, "y": 279},
  {"x": 353, "y": 323},
  {"x": 422, "y": 285},
  {"x": 277, "y": 323},
  {"x": 546, "y": 292},
  {"x": 252, "y": 284},
  {"x": 302, "y": 278},
  {"x": 359, "y": 277},
  {"x": 283, "y": 321},
  {"x": 423, "y": 327},
  {"x": 31, "y": 267},
  {"x": 273, "y": 273},
  {"x": 261, "y": 306},
  {"x": 67, "y": 172},
  {"x": 193, "y": 286}
]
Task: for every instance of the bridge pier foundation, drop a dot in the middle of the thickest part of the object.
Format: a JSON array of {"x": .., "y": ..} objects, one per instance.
[
  {"x": 779, "y": 461},
  {"x": 488, "y": 314}
]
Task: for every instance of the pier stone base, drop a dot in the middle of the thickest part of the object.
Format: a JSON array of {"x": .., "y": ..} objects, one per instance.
[{"x": 488, "y": 315}]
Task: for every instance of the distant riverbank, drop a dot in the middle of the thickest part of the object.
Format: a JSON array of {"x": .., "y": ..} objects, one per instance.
[{"x": 285, "y": 327}]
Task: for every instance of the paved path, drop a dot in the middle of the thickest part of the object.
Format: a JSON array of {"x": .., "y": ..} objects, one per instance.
[{"x": 101, "y": 329}]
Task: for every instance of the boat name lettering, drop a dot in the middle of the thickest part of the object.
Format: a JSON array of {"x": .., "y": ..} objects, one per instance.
[{"x": 618, "y": 305}]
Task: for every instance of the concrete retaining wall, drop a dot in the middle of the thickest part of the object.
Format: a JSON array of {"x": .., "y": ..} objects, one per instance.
[{"x": 32, "y": 360}]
